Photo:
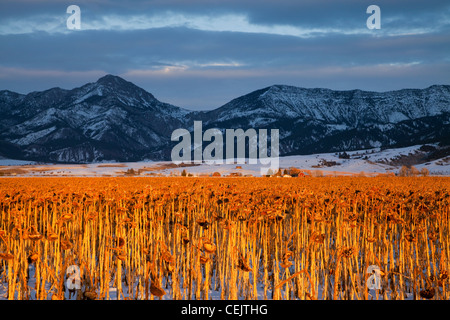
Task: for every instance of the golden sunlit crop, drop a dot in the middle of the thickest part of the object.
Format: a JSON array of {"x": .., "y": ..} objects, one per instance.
[{"x": 224, "y": 238}]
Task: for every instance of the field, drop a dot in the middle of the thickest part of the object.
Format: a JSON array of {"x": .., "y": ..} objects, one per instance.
[{"x": 225, "y": 238}]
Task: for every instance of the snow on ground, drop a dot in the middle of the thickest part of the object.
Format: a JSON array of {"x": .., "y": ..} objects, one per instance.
[
  {"x": 364, "y": 162},
  {"x": 11, "y": 162},
  {"x": 114, "y": 294}
]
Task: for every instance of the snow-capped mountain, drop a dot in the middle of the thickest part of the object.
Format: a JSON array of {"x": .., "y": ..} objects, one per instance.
[
  {"x": 110, "y": 119},
  {"x": 113, "y": 119},
  {"x": 323, "y": 120}
]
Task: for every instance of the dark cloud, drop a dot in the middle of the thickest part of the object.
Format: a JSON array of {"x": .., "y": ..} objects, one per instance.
[{"x": 197, "y": 65}]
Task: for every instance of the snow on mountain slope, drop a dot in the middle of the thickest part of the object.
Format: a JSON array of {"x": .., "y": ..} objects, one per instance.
[
  {"x": 109, "y": 119},
  {"x": 113, "y": 119},
  {"x": 33, "y": 136},
  {"x": 339, "y": 107}
]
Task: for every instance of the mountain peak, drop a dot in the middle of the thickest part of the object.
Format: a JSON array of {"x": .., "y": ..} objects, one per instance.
[
  {"x": 111, "y": 85},
  {"x": 110, "y": 79}
]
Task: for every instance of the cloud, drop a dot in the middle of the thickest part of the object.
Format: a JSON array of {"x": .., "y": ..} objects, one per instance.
[
  {"x": 201, "y": 53},
  {"x": 115, "y": 22},
  {"x": 289, "y": 20}
]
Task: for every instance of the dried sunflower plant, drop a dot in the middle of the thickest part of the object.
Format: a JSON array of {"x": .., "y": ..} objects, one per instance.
[{"x": 342, "y": 238}]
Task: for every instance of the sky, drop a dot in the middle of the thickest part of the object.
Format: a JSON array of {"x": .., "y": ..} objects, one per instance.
[{"x": 201, "y": 54}]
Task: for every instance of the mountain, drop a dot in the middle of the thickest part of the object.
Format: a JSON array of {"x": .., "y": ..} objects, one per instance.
[
  {"x": 109, "y": 119},
  {"x": 323, "y": 120},
  {"x": 113, "y": 119}
]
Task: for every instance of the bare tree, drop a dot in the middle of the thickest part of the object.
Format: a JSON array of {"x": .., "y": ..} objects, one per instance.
[
  {"x": 414, "y": 171},
  {"x": 404, "y": 171},
  {"x": 424, "y": 172}
]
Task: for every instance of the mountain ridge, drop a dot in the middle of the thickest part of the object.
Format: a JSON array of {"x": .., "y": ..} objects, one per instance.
[{"x": 113, "y": 119}]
